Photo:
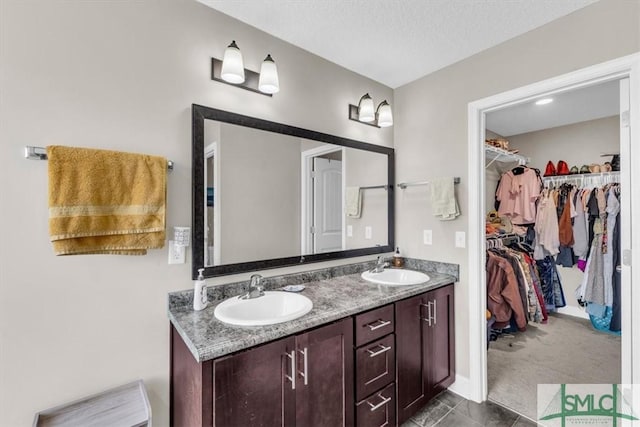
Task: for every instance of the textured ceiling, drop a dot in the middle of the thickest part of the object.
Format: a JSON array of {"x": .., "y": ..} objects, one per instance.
[{"x": 396, "y": 41}]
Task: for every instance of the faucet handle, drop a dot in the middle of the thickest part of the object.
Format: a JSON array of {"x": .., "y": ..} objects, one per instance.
[{"x": 255, "y": 281}]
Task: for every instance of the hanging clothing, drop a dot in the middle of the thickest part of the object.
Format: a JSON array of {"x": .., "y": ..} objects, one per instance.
[
  {"x": 503, "y": 296},
  {"x": 547, "y": 242},
  {"x": 551, "y": 284},
  {"x": 517, "y": 194}
]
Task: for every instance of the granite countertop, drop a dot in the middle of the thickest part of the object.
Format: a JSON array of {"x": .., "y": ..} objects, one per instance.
[{"x": 333, "y": 298}]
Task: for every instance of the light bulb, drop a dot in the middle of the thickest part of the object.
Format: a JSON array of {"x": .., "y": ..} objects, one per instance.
[
  {"x": 385, "y": 116},
  {"x": 268, "y": 82},
  {"x": 232, "y": 65},
  {"x": 366, "y": 112}
]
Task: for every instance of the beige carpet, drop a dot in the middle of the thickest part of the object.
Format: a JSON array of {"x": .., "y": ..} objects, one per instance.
[{"x": 566, "y": 350}]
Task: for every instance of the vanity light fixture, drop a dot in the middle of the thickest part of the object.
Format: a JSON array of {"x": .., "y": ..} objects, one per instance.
[
  {"x": 232, "y": 65},
  {"x": 268, "y": 82},
  {"x": 385, "y": 116},
  {"x": 365, "y": 113},
  {"x": 231, "y": 71}
]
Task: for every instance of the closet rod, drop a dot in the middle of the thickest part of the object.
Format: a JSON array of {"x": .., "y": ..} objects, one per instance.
[
  {"x": 598, "y": 179},
  {"x": 404, "y": 185},
  {"x": 40, "y": 153}
]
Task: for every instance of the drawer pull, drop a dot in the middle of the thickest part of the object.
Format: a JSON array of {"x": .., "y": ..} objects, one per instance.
[
  {"x": 385, "y": 400},
  {"x": 379, "y": 352},
  {"x": 380, "y": 324}
]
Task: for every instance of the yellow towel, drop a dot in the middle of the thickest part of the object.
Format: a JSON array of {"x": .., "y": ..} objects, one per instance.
[{"x": 105, "y": 202}]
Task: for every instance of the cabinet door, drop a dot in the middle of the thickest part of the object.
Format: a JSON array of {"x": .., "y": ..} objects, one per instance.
[
  {"x": 324, "y": 389},
  {"x": 440, "y": 339},
  {"x": 411, "y": 376},
  {"x": 253, "y": 388}
]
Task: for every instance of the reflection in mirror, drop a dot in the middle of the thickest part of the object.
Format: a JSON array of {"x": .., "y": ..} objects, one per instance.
[{"x": 273, "y": 195}]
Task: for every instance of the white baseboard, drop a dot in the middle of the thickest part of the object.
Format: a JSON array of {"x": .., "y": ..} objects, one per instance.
[
  {"x": 461, "y": 387},
  {"x": 573, "y": 311}
]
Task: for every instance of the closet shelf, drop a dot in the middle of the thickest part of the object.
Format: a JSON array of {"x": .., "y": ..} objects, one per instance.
[
  {"x": 496, "y": 154},
  {"x": 583, "y": 179}
]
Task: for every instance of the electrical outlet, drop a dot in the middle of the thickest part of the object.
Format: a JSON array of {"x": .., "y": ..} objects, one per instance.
[
  {"x": 461, "y": 240},
  {"x": 427, "y": 237},
  {"x": 349, "y": 230},
  {"x": 176, "y": 253},
  {"x": 368, "y": 232}
]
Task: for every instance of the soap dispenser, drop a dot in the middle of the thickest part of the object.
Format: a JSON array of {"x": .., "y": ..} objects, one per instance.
[
  {"x": 200, "y": 292},
  {"x": 397, "y": 261}
]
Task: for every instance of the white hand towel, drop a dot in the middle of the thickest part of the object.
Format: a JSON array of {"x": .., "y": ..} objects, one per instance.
[
  {"x": 443, "y": 199},
  {"x": 353, "y": 202}
]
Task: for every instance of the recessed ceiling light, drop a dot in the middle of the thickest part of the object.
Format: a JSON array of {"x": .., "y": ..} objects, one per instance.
[{"x": 544, "y": 101}]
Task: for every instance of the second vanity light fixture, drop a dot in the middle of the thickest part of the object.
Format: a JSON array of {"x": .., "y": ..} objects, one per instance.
[
  {"x": 365, "y": 113},
  {"x": 231, "y": 71}
]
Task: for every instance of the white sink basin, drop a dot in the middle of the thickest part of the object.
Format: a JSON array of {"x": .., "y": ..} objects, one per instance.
[
  {"x": 395, "y": 277},
  {"x": 273, "y": 307}
]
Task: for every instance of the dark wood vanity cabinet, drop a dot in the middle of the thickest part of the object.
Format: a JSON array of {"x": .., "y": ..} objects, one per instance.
[
  {"x": 425, "y": 349},
  {"x": 375, "y": 368},
  {"x": 304, "y": 380}
]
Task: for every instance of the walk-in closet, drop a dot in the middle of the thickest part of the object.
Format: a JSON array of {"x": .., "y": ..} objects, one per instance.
[{"x": 553, "y": 208}]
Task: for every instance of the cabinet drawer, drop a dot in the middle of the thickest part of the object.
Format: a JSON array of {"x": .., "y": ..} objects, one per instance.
[
  {"x": 377, "y": 410},
  {"x": 375, "y": 366},
  {"x": 374, "y": 324}
]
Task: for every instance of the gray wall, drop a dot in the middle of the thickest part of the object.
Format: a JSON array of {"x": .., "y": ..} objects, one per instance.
[
  {"x": 259, "y": 196},
  {"x": 577, "y": 144},
  {"x": 121, "y": 75},
  {"x": 431, "y": 123},
  {"x": 366, "y": 169}
]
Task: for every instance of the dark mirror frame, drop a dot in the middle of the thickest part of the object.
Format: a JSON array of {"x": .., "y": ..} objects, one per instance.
[{"x": 198, "y": 114}]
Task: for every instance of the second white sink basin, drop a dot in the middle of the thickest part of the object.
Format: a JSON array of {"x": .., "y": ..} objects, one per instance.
[
  {"x": 274, "y": 307},
  {"x": 395, "y": 277}
]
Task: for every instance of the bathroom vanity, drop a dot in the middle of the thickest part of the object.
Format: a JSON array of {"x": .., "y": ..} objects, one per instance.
[{"x": 366, "y": 354}]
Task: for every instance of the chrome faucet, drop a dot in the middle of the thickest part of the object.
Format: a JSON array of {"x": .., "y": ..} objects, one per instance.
[
  {"x": 380, "y": 265},
  {"x": 256, "y": 289}
]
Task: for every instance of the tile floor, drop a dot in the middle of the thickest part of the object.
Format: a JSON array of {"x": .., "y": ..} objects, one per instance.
[{"x": 450, "y": 410}]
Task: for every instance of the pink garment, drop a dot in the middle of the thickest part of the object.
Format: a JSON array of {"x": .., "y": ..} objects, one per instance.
[
  {"x": 546, "y": 228},
  {"x": 517, "y": 195},
  {"x": 582, "y": 264}
]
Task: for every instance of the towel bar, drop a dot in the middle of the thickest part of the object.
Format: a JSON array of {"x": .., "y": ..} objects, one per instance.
[
  {"x": 374, "y": 187},
  {"x": 40, "y": 153},
  {"x": 404, "y": 185}
]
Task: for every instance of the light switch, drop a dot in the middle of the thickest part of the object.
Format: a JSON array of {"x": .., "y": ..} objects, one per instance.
[
  {"x": 461, "y": 240},
  {"x": 368, "y": 232},
  {"x": 177, "y": 253},
  {"x": 349, "y": 230},
  {"x": 427, "y": 237}
]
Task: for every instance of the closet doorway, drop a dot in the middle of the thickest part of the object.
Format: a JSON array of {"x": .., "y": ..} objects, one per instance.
[
  {"x": 617, "y": 70},
  {"x": 552, "y": 151}
]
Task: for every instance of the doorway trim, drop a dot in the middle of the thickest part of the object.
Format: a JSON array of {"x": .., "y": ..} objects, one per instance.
[
  {"x": 625, "y": 67},
  {"x": 306, "y": 191},
  {"x": 212, "y": 150}
]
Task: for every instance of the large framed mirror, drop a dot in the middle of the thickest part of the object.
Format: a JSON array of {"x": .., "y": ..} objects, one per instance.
[{"x": 269, "y": 195}]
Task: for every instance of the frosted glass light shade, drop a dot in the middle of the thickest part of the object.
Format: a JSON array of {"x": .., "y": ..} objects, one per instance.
[
  {"x": 268, "y": 82},
  {"x": 366, "y": 113},
  {"x": 385, "y": 116},
  {"x": 232, "y": 65}
]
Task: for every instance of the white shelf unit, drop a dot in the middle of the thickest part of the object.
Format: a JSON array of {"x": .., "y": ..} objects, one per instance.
[
  {"x": 495, "y": 154},
  {"x": 583, "y": 180}
]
